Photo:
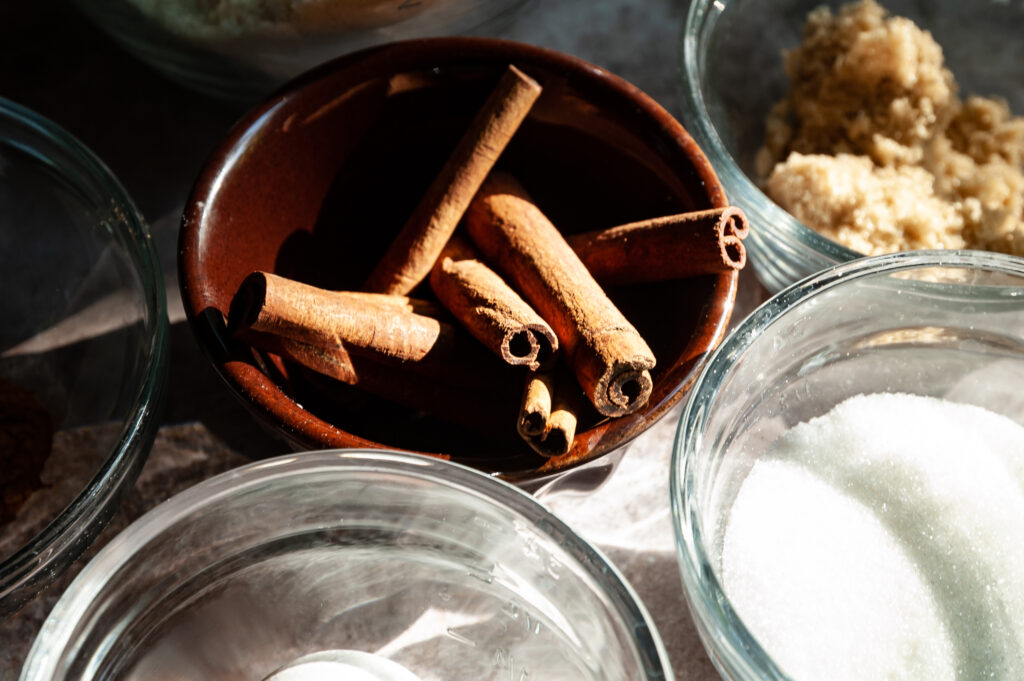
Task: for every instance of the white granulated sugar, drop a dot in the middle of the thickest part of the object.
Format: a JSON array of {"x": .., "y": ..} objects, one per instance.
[{"x": 885, "y": 540}]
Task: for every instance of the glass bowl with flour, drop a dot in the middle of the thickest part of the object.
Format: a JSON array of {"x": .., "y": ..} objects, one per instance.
[
  {"x": 848, "y": 477},
  {"x": 242, "y": 49}
]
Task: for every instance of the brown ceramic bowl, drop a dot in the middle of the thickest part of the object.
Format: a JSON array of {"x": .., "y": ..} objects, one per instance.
[{"x": 315, "y": 183}]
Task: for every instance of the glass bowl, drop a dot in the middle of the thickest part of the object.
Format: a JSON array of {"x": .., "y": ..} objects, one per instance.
[
  {"x": 946, "y": 324},
  {"x": 732, "y": 73},
  {"x": 415, "y": 562},
  {"x": 82, "y": 349},
  {"x": 241, "y": 50}
]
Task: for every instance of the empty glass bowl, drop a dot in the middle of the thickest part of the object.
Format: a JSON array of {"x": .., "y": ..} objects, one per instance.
[
  {"x": 732, "y": 74},
  {"x": 420, "y": 564},
  {"x": 946, "y": 324},
  {"x": 239, "y": 49},
  {"x": 83, "y": 353}
]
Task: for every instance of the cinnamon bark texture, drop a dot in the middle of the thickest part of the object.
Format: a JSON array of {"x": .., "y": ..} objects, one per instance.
[
  {"x": 488, "y": 307},
  {"x": 547, "y": 416},
  {"x": 560, "y": 432},
  {"x": 407, "y": 303},
  {"x": 610, "y": 360},
  {"x": 536, "y": 405},
  {"x": 364, "y": 323},
  {"x": 411, "y": 256},
  {"x": 670, "y": 247},
  {"x": 376, "y": 326}
]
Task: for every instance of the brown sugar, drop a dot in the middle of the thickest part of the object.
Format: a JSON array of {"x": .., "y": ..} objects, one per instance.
[
  {"x": 873, "y": 147},
  {"x": 867, "y": 208}
]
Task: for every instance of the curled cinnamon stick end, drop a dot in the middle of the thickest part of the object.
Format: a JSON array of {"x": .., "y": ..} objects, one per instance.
[
  {"x": 547, "y": 417},
  {"x": 536, "y": 407},
  {"x": 488, "y": 307},
  {"x": 272, "y": 304},
  {"x": 412, "y": 255},
  {"x": 610, "y": 360},
  {"x": 560, "y": 433},
  {"x": 669, "y": 247}
]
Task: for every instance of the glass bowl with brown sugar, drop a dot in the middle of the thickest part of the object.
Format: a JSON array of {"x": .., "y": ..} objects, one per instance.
[{"x": 849, "y": 129}]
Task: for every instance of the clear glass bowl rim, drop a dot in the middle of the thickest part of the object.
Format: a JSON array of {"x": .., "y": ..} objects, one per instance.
[
  {"x": 34, "y": 564},
  {"x": 779, "y": 224},
  {"x": 56, "y": 632},
  {"x": 736, "y": 654}
]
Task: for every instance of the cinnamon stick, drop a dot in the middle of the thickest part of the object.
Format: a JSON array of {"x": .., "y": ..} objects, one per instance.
[
  {"x": 670, "y": 247},
  {"x": 377, "y": 326},
  {"x": 411, "y": 256},
  {"x": 269, "y": 303},
  {"x": 488, "y": 307},
  {"x": 610, "y": 360},
  {"x": 547, "y": 416},
  {"x": 560, "y": 432},
  {"x": 536, "y": 404},
  {"x": 407, "y": 303}
]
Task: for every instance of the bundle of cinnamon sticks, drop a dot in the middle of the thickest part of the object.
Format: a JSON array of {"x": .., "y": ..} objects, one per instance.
[{"x": 530, "y": 299}]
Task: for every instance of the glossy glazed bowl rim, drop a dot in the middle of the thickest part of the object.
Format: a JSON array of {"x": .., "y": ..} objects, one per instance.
[
  {"x": 32, "y": 566},
  {"x": 67, "y": 614},
  {"x": 301, "y": 427},
  {"x": 779, "y": 224},
  {"x": 731, "y": 646}
]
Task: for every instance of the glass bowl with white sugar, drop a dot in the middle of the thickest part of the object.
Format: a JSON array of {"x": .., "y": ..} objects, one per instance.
[{"x": 848, "y": 477}]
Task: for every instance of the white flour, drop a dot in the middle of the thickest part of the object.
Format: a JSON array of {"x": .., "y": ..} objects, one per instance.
[
  {"x": 214, "y": 19},
  {"x": 885, "y": 540}
]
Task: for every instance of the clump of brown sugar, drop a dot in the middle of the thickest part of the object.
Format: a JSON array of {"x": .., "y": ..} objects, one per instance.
[{"x": 873, "y": 147}]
